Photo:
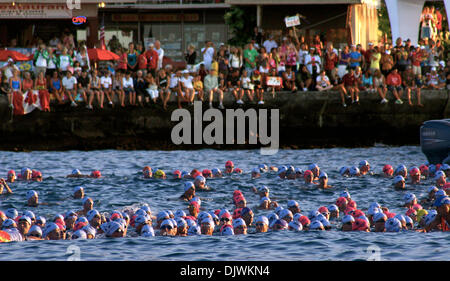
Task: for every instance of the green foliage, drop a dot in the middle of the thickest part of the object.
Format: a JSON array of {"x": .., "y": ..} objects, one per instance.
[
  {"x": 241, "y": 21},
  {"x": 383, "y": 20}
]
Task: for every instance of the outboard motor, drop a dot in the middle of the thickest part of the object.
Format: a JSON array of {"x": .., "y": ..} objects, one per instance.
[{"x": 435, "y": 141}]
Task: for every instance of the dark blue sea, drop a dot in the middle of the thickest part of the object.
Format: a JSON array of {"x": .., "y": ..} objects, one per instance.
[{"x": 122, "y": 186}]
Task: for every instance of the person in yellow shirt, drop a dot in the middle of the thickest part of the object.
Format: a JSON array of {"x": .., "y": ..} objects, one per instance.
[
  {"x": 198, "y": 86},
  {"x": 375, "y": 60},
  {"x": 215, "y": 64}
]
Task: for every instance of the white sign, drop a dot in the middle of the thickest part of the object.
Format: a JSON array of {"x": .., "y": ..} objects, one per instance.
[
  {"x": 273, "y": 81},
  {"x": 35, "y": 11},
  {"x": 292, "y": 21}
]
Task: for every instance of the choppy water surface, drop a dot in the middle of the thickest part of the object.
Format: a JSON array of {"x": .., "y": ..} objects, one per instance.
[{"x": 122, "y": 186}]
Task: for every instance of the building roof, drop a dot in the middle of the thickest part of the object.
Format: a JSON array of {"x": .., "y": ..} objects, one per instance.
[{"x": 291, "y": 2}]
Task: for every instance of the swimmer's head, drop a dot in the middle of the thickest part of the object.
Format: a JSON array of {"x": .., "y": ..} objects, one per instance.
[
  {"x": 78, "y": 192},
  {"x": 388, "y": 170},
  {"x": 216, "y": 172},
  {"x": 159, "y": 174},
  {"x": 147, "y": 171},
  {"x": 32, "y": 198},
  {"x": 399, "y": 182},
  {"x": 88, "y": 203},
  {"x": 207, "y": 173},
  {"x": 96, "y": 174},
  {"x": 308, "y": 176},
  {"x": 177, "y": 174},
  {"x": 229, "y": 166},
  {"x": 76, "y": 172},
  {"x": 11, "y": 176}
]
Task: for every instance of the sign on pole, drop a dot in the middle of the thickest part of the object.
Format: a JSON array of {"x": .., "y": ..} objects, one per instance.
[{"x": 292, "y": 21}]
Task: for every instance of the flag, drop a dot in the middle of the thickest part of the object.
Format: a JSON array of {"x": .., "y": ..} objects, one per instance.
[
  {"x": 102, "y": 34},
  {"x": 26, "y": 103}
]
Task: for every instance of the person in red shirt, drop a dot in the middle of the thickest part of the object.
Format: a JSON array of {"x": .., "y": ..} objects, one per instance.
[
  {"x": 351, "y": 85},
  {"x": 122, "y": 61},
  {"x": 331, "y": 59},
  {"x": 152, "y": 59},
  {"x": 394, "y": 82},
  {"x": 142, "y": 63}
]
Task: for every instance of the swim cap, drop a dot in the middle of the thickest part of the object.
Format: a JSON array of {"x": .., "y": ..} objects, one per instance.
[
  {"x": 179, "y": 214},
  {"x": 439, "y": 174},
  {"x": 200, "y": 178},
  {"x": 333, "y": 208},
  {"x": 282, "y": 169},
  {"x": 379, "y": 216},
  {"x": 25, "y": 218},
  {"x": 227, "y": 230},
  {"x": 79, "y": 234},
  {"x": 272, "y": 218},
  {"x": 36, "y": 174},
  {"x": 323, "y": 175},
  {"x": 41, "y": 220},
  {"x": 194, "y": 230},
  {"x": 263, "y": 189},
  {"x": 387, "y": 168},
  {"x": 345, "y": 194},
  {"x": 280, "y": 222},
  {"x": 86, "y": 199},
  {"x": 141, "y": 219},
  {"x": 313, "y": 166},
  {"x": 11, "y": 172},
  {"x": 70, "y": 214},
  {"x": 76, "y": 172},
  {"x": 316, "y": 225},
  {"x": 159, "y": 174},
  {"x": 360, "y": 225},
  {"x": 420, "y": 214},
  {"x": 323, "y": 209},
  {"x": 292, "y": 203},
  {"x": 262, "y": 219},
  {"x": 295, "y": 225},
  {"x": 423, "y": 168},
  {"x": 400, "y": 217},
  {"x": 263, "y": 168},
  {"x": 442, "y": 201},
  {"x": 410, "y": 212},
  {"x": 188, "y": 185},
  {"x": 147, "y": 231},
  {"x": 162, "y": 216},
  {"x": 96, "y": 174},
  {"x": 229, "y": 164},
  {"x": 409, "y": 197},
  {"x": 11, "y": 213},
  {"x": 363, "y": 163},
  {"x": 414, "y": 171},
  {"x": 398, "y": 179},
  {"x": 307, "y": 173},
  {"x": 238, "y": 170},
  {"x": 29, "y": 214},
  {"x": 354, "y": 171},
  {"x": 207, "y": 173},
  {"x": 430, "y": 218},
  {"x": 285, "y": 213},
  {"x": 31, "y": 194},
  {"x": 393, "y": 225},
  {"x": 343, "y": 170},
  {"x": 216, "y": 171},
  {"x": 49, "y": 228},
  {"x": 35, "y": 231},
  {"x": 75, "y": 189},
  {"x": 341, "y": 200},
  {"x": 91, "y": 214},
  {"x": 304, "y": 220},
  {"x": 90, "y": 230}
]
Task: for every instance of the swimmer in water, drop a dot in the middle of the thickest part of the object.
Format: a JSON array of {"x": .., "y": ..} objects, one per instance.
[
  {"x": 256, "y": 173},
  {"x": 440, "y": 178},
  {"x": 207, "y": 173},
  {"x": 147, "y": 172},
  {"x": 3, "y": 186},
  {"x": 11, "y": 176},
  {"x": 78, "y": 192},
  {"x": 401, "y": 170},
  {"x": 88, "y": 204},
  {"x": 388, "y": 171},
  {"x": 293, "y": 206},
  {"x": 96, "y": 174},
  {"x": 77, "y": 174},
  {"x": 347, "y": 223},
  {"x": 315, "y": 169},
  {"x": 443, "y": 214},
  {"x": 177, "y": 174},
  {"x": 262, "y": 224},
  {"x": 25, "y": 174},
  {"x": 344, "y": 171},
  {"x": 217, "y": 173},
  {"x": 159, "y": 174},
  {"x": 36, "y": 175},
  {"x": 229, "y": 167},
  {"x": 399, "y": 182},
  {"x": 424, "y": 171},
  {"x": 200, "y": 183},
  {"x": 290, "y": 173},
  {"x": 410, "y": 200},
  {"x": 308, "y": 176},
  {"x": 364, "y": 167},
  {"x": 189, "y": 191},
  {"x": 323, "y": 181},
  {"x": 33, "y": 199},
  {"x": 415, "y": 175}
]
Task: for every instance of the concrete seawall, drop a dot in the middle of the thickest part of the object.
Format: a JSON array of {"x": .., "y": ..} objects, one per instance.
[{"x": 307, "y": 120}]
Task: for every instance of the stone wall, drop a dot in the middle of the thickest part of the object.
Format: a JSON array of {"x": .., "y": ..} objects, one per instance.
[{"x": 307, "y": 119}]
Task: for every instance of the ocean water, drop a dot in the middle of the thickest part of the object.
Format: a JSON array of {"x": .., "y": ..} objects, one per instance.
[{"x": 123, "y": 187}]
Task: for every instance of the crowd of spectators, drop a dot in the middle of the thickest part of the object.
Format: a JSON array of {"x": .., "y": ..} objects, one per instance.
[{"x": 64, "y": 73}]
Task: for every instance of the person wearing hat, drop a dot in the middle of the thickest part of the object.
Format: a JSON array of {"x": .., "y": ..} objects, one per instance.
[
  {"x": 262, "y": 224},
  {"x": 323, "y": 181},
  {"x": 399, "y": 182},
  {"x": 443, "y": 215},
  {"x": 440, "y": 178},
  {"x": 364, "y": 167},
  {"x": 415, "y": 175}
]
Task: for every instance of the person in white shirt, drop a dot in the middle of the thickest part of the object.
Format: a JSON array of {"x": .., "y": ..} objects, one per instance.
[
  {"x": 175, "y": 86},
  {"x": 322, "y": 82},
  {"x": 160, "y": 52},
  {"x": 211, "y": 86},
  {"x": 128, "y": 88},
  {"x": 313, "y": 62},
  {"x": 106, "y": 83},
  {"x": 186, "y": 85},
  {"x": 270, "y": 43},
  {"x": 208, "y": 54},
  {"x": 69, "y": 84},
  {"x": 247, "y": 86},
  {"x": 9, "y": 68},
  {"x": 235, "y": 60}
]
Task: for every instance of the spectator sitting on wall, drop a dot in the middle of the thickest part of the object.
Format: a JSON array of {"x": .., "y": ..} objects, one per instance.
[{"x": 394, "y": 83}]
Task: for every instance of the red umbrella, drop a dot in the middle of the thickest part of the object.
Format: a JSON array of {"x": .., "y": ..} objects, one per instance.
[
  {"x": 100, "y": 54},
  {"x": 16, "y": 56}
]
